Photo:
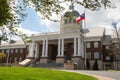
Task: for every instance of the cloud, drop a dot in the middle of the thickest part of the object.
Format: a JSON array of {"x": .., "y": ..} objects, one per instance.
[
  {"x": 101, "y": 18},
  {"x": 26, "y": 31}
]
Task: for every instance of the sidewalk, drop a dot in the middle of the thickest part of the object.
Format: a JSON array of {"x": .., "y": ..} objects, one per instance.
[{"x": 96, "y": 76}]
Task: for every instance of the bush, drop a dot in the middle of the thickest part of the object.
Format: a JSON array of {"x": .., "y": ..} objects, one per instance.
[
  {"x": 88, "y": 64},
  {"x": 95, "y": 66}
]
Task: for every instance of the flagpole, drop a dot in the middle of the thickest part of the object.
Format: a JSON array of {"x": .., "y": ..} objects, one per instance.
[{"x": 85, "y": 42}]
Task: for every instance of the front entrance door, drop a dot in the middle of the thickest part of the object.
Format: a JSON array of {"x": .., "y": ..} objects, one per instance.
[
  {"x": 52, "y": 52},
  {"x": 68, "y": 51}
]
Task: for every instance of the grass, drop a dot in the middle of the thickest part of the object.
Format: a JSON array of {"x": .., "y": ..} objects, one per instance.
[{"x": 14, "y": 73}]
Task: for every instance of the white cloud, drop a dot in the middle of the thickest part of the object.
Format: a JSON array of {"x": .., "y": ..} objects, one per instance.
[
  {"x": 101, "y": 18},
  {"x": 25, "y": 31}
]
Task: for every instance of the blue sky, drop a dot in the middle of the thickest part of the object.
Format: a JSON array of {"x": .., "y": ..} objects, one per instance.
[
  {"x": 102, "y": 18},
  {"x": 33, "y": 21}
]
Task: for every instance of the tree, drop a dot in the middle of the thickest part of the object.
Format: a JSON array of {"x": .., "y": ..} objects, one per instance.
[
  {"x": 115, "y": 47},
  {"x": 12, "y": 13},
  {"x": 11, "y": 16},
  {"x": 95, "y": 66},
  {"x": 49, "y": 7},
  {"x": 88, "y": 64},
  {"x": 2, "y": 55}
]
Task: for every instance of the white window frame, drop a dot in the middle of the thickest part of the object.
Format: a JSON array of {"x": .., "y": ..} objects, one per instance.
[
  {"x": 15, "y": 59},
  {"x": 21, "y": 50},
  {"x": 88, "y": 45},
  {"x": 96, "y": 44},
  {"x": 16, "y": 50},
  {"x": 107, "y": 57},
  {"x": 11, "y": 51},
  {"x": 88, "y": 55},
  {"x": 7, "y": 50},
  {"x": 20, "y": 58},
  {"x": 3, "y": 50},
  {"x": 106, "y": 47},
  {"x": 96, "y": 56}
]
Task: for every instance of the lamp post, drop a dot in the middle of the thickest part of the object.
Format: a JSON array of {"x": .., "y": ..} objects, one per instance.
[{"x": 7, "y": 61}]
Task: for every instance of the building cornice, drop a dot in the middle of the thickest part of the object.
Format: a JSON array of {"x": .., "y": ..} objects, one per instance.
[{"x": 56, "y": 36}]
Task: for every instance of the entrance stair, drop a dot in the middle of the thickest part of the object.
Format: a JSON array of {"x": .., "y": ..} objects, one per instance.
[{"x": 51, "y": 64}]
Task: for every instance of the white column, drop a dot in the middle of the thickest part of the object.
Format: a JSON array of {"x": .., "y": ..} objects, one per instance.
[
  {"x": 62, "y": 49},
  {"x": 74, "y": 47},
  {"x": 46, "y": 49},
  {"x": 37, "y": 51},
  {"x": 79, "y": 46},
  {"x": 31, "y": 49},
  {"x": 83, "y": 49},
  {"x": 43, "y": 49},
  {"x": 59, "y": 47}
]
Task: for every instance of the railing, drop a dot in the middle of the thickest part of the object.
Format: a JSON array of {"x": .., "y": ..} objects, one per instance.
[{"x": 47, "y": 33}]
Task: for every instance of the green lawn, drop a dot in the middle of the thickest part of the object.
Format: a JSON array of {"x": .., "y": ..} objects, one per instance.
[{"x": 14, "y": 73}]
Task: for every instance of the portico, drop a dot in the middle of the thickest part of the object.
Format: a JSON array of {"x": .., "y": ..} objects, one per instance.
[
  {"x": 58, "y": 47},
  {"x": 62, "y": 47}
]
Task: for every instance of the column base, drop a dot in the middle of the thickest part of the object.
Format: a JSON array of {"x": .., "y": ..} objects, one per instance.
[
  {"x": 60, "y": 59},
  {"x": 44, "y": 60},
  {"x": 79, "y": 62}
]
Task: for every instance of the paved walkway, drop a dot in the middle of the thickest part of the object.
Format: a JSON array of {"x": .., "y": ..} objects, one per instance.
[
  {"x": 111, "y": 74},
  {"x": 101, "y": 75}
]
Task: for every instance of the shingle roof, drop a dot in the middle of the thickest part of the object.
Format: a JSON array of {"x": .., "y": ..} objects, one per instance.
[
  {"x": 16, "y": 42},
  {"x": 95, "y": 31}
]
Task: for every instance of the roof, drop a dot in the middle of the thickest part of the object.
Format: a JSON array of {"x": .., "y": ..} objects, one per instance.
[
  {"x": 95, "y": 31},
  {"x": 17, "y": 42}
]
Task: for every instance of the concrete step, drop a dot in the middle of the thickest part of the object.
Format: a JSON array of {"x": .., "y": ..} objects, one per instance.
[{"x": 49, "y": 65}]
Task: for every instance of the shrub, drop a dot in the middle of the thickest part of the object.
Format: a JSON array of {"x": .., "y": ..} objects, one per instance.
[
  {"x": 88, "y": 64},
  {"x": 95, "y": 66}
]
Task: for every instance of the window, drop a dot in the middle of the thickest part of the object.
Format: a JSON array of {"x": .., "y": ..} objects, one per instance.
[
  {"x": 21, "y": 50},
  {"x": 95, "y": 44},
  {"x": 107, "y": 57},
  {"x": 15, "y": 59},
  {"x": 16, "y": 51},
  {"x": 117, "y": 57},
  {"x": 7, "y": 51},
  {"x": 116, "y": 46},
  {"x": 70, "y": 20},
  {"x": 3, "y": 50},
  {"x": 88, "y": 45},
  {"x": 96, "y": 55},
  {"x": 106, "y": 47},
  {"x": 20, "y": 59},
  {"x": 11, "y": 50},
  {"x": 88, "y": 55},
  {"x": 65, "y": 21}
]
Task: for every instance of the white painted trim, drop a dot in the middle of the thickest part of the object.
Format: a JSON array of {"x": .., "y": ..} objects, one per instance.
[{"x": 12, "y": 47}]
